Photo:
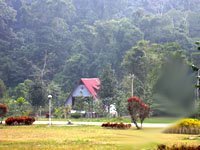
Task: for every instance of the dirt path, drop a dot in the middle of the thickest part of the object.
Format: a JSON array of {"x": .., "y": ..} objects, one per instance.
[{"x": 150, "y": 125}]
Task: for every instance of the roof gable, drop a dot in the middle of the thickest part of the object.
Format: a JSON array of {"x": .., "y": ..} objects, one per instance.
[{"x": 92, "y": 84}]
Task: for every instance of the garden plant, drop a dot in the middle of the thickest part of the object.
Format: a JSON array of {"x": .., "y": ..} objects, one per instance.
[
  {"x": 138, "y": 110},
  {"x": 22, "y": 120},
  {"x": 116, "y": 125},
  {"x": 185, "y": 126},
  {"x": 178, "y": 147},
  {"x": 3, "y": 111}
]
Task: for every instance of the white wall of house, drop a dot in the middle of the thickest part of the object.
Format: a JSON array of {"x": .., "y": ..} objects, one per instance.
[{"x": 81, "y": 91}]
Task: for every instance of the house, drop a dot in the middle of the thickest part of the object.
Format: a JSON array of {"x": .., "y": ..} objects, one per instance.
[{"x": 87, "y": 87}]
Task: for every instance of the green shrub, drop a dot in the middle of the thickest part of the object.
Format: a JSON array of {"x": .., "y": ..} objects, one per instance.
[{"x": 76, "y": 115}]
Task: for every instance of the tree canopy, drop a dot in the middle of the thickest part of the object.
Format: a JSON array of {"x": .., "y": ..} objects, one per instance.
[{"x": 61, "y": 41}]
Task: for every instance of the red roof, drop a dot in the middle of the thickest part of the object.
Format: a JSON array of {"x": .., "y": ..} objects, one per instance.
[{"x": 92, "y": 84}]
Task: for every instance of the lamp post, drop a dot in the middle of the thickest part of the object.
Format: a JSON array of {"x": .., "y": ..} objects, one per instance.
[
  {"x": 49, "y": 98},
  {"x": 132, "y": 76},
  {"x": 40, "y": 111}
]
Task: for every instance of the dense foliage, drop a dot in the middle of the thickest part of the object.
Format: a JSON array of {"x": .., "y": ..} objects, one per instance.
[{"x": 46, "y": 46}]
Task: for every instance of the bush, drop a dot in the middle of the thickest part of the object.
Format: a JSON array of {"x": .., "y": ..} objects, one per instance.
[
  {"x": 116, "y": 125},
  {"x": 138, "y": 110},
  {"x": 3, "y": 111},
  {"x": 76, "y": 115},
  {"x": 195, "y": 115},
  {"x": 178, "y": 147},
  {"x": 23, "y": 120},
  {"x": 185, "y": 126},
  {"x": 47, "y": 115}
]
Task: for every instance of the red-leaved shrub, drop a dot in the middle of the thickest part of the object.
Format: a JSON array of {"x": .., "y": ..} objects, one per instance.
[
  {"x": 178, "y": 147},
  {"x": 47, "y": 115},
  {"x": 3, "y": 111},
  {"x": 23, "y": 120},
  {"x": 116, "y": 125},
  {"x": 138, "y": 110}
]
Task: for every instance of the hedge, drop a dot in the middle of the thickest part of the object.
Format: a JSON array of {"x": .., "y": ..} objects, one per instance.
[
  {"x": 22, "y": 120},
  {"x": 116, "y": 125},
  {"x": 185, "y": 126}
]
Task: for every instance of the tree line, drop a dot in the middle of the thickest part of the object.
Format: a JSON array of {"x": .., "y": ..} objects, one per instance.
[{"x": 46, "y": 46}]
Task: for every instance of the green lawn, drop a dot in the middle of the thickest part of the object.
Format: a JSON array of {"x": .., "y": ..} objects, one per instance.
[
  {"x": 84, "y": 137},
  {"x": 121, "y": 119}
]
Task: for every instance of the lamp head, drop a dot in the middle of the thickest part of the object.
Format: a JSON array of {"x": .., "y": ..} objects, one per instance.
[
  {"x": 194, "y": 68},
  {"x": 49, "y": 96}
]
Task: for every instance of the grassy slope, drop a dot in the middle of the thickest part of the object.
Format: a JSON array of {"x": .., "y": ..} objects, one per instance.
[{"x": 83, "y": 137}]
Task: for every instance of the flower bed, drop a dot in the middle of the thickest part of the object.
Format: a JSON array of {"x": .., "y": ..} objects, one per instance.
[
  {"x": 178, "y": 147},
  {"x": 185, "y": 126},
  {"x": 23, "y": 120},
  {"x": 116, "y": 125}
]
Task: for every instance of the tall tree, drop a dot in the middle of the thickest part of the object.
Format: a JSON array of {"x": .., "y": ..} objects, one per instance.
[
  {"x": 38, "y": 95},
  {"x": 108, "y": 86}
]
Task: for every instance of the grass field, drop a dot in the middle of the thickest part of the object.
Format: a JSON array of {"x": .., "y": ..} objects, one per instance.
[{"x": 84, "y": 137}]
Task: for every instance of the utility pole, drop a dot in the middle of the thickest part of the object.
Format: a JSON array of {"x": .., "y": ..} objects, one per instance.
[{"x": 132, "y": 76}]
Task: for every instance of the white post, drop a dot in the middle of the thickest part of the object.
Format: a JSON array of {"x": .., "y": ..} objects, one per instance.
[
  {"x": 40, "y": 111},
  {"x": 50, "y": 97},
  {"x": 132, "y": 79}
]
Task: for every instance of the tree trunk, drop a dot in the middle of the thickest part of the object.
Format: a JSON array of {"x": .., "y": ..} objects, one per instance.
[
  {"x": 136, "y": 124},
  {"x": 1, "y": 122},
  {"x": 142, "y": 122}
]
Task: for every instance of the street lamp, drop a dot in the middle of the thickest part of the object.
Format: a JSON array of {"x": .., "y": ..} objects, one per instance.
[
  {"x": 40, "y": 111},
  {"x": 49, "y": 98}
]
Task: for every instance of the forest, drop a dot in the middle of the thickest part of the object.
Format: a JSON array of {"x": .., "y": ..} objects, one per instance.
[{"x": 46, "y": 46}]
